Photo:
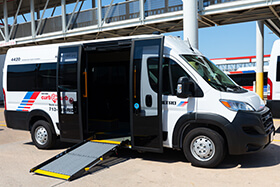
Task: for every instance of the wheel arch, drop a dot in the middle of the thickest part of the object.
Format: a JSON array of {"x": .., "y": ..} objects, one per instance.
[
  {"x": 36, "y": 115},
  {"x": 190, "y": 121}
]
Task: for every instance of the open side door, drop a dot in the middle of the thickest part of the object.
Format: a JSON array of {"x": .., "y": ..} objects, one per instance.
[
  {"x": 68, "y": 93},
  {"x": 146, "y": 105}
]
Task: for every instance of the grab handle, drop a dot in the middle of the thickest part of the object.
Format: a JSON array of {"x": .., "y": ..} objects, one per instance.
[{"x": 85, "y": 94}]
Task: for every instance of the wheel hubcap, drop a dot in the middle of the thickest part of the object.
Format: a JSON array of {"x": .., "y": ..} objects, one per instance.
[
  {"x": 202, "y": 148},
  {"x": 41, "y": 135}
]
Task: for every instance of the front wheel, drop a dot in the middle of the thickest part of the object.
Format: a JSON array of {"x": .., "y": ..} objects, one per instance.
[
  {"x": 42, "y": 135},
  {"x": 204, "y": 147}
]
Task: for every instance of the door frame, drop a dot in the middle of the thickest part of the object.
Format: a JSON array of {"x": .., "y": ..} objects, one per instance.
[
  {"x": 78, "y": 92},
  {"x": 159, "y": 97}
]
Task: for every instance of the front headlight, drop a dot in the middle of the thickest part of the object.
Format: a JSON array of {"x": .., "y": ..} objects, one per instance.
[{"x": 236, "y": 105}]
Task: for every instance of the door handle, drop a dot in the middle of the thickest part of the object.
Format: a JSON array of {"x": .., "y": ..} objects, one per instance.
[
  {"x": 85, "y": 74},
  {"x": 149, "y": 100}
]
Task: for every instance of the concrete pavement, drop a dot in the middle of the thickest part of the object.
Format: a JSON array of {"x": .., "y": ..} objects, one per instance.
[{"x": 18, "y": 155}]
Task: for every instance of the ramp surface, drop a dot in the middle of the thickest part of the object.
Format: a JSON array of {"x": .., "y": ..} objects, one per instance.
[{"x": 73, "y": 163}]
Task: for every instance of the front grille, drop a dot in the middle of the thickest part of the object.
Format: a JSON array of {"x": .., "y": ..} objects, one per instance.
[{"x": 267, "y": 121}]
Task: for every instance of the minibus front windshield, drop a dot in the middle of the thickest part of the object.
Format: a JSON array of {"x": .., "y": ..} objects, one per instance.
[{"x": 211, "y": 73}]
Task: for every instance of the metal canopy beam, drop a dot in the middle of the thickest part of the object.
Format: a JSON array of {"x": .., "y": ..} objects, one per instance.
[
  {"x": 78, "y": 13},
  {"x": 72, "y": 14},
  {"x": 41, "y": 18},
  {"x": 274, "y": 12},
  {"x": 5, "y": 10},
  {"x": 2, "y": 34},
  {"x": 25, "y": 7},
  {"x": 15, "y": 19},
  {"x": 63, "y": 15},
  {"x": 272, "y": 26},
  {"x": 107, "y": 12},
  {"x": 32, "y": 15},
  {"x": 141, "y": 10}
]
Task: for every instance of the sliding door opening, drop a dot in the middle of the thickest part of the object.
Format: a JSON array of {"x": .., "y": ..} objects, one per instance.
[{"x": 108, "y": 93}]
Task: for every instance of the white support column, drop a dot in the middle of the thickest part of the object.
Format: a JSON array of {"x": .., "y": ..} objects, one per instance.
[
  {"x": 259, "y": 57},
  {"x": 141, "y": 10},
  {"x": 99, "y": 12},
  {"x": 5, "y": 10},
  {"x": 63, "y": 15},
  {"x": 190, "y": 23},
  {"x": 32, "y": 15}
]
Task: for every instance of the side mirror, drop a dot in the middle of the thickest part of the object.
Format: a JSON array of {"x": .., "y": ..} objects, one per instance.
[{"x": 185, "y": 88}]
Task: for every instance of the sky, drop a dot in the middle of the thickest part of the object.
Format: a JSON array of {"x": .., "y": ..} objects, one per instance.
[{"x": 233, "y": 40}]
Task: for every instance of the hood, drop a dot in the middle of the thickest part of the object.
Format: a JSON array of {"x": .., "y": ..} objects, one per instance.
[{"x": 249, "y": 97}]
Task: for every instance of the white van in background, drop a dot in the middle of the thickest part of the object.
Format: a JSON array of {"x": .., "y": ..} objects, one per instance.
[
  {"x": 273, "y": 81},
  {"x": 156, "y": 90}
]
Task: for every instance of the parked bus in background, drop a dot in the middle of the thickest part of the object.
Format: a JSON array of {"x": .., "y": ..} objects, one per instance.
[{"x": 246, "y": 77}]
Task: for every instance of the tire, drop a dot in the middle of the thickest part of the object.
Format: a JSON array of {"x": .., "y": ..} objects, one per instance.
[
  {"x": 204, "y": 147},
  {"x": 42, "y": 135}
]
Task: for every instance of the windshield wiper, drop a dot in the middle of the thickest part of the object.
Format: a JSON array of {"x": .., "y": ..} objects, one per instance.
[
  {"x": 224, "y": 88},
  {"x": 231, "y": 86}
]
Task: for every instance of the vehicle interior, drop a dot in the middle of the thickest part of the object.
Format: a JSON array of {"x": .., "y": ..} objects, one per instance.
[{"x": 108, "y": 93}]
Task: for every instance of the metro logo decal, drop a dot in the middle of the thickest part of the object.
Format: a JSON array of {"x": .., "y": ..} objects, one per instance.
[
  {"x": 28, "y": 101},
  {"x": 182, "y": 103},
  {"x": 53, "y": 97}
]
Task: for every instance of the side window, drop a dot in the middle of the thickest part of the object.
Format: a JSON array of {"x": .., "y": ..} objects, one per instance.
[
  {"x": 21, "y": 77},
  {"x": 32, "y": 77},
  {"x": 46, "y": 77},
  {"x": 171, "y": 72},
  {"x": 278, "y": 69},
  {"x": 153, "y": 75},
  {"x": 176, "y": 73}
]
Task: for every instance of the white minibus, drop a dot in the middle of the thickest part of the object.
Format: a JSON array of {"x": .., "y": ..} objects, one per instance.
[{"x": 157, "y": 90}]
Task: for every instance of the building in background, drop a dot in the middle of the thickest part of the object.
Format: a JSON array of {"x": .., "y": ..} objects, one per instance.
[
  {"x": 243, "y": 70},
  {"x": 235, "y": 63}
]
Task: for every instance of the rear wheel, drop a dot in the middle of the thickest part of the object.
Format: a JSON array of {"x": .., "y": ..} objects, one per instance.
[
  {"x": 42, "y": 135},
  {"x": 204, "y": 147}
]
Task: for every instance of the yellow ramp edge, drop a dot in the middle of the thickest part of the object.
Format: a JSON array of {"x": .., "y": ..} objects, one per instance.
[
  {"x": 107, "y": 141},
  {"x": 52, "y": 174}
]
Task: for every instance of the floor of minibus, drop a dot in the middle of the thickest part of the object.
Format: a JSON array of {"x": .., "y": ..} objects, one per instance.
[{"x": 108, "y": 95}]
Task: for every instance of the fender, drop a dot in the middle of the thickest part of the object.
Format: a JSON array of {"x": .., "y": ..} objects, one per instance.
[
  {"x": 201, "y": 119},
  {"x": 39, "y": 114}
]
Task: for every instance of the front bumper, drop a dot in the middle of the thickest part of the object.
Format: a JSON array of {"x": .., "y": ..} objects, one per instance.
[{"x": 250, "y": 131}]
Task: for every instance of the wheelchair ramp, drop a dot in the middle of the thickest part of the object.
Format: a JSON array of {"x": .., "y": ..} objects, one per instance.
[{"x": 74, "y": 162}]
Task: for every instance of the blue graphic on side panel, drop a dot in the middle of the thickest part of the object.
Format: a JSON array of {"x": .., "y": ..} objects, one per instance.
[{"x": 25, "y": 101}]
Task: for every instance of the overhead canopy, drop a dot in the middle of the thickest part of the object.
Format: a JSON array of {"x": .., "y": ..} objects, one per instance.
[
  {"x": 126, "y": 18},
  {"x": 25, "y": 7},
  {"x": 242, "y": 11}
]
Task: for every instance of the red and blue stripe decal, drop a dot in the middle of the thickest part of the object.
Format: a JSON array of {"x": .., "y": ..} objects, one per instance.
[
  {"x": 28, "y": 101},
  {"x": 182, "y": 103},
  {"x": 242, "y": 72}
]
